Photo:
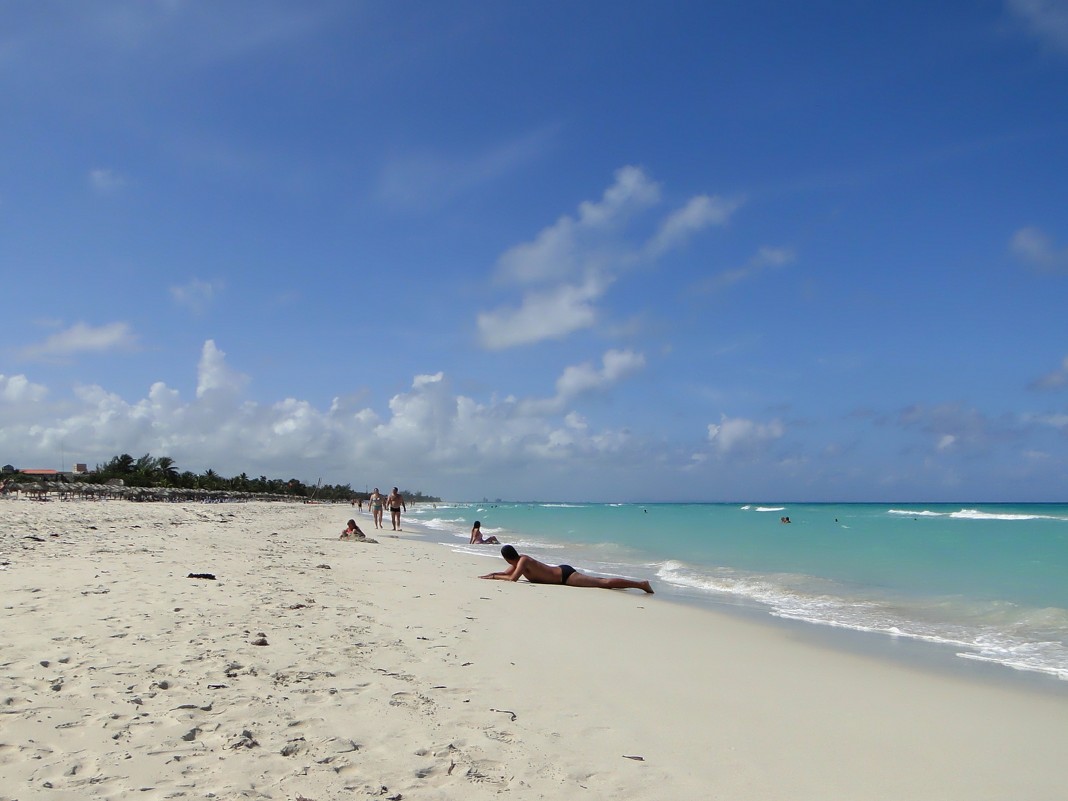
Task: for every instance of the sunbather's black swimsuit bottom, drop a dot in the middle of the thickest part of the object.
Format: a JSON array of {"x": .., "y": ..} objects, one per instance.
[{"x": 565, "y": 573}]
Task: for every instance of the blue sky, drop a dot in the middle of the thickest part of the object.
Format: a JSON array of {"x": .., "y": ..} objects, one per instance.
[{"x": 759, "y": 250}]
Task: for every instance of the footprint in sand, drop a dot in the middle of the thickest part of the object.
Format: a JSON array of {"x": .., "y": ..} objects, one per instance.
[
  {"x": 500, "y": 736},
  {"x": 414, "y": 701},
  {"x": 485, "y": 771}
]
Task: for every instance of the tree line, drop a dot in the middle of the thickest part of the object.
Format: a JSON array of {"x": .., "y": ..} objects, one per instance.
[{"x": 161, "y": 471}]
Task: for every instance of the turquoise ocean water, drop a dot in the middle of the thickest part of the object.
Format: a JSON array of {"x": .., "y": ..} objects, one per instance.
[{"x": 990, "y": 581}]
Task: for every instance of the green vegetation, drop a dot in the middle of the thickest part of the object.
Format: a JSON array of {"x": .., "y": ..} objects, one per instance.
[{"x": 152, "y": 471}]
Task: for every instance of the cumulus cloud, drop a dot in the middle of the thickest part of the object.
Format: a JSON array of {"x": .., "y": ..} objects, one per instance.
[
  {"x": 19, "y": 389},
  {"x": 1032, "y": 246},
  {"x": 615, "y": 365},
  {"x": 566, "y": 269},
  {"x": 82, "y": 338},
  {"x": 552, "y": 314},
  {"x": 631, "y": 192},
  {"x": 214, "y": 375},
  {"x": 581, "y": 379},
  {"x": 739, "y": 434},
  {"x": 581, "y": 244},
  {"x": 427, "y": 428},
  {"x": 197, "y": 295},
  {"x": 1047, "y": 20}
]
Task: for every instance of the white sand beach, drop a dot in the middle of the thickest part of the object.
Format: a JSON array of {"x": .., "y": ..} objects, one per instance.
[{"x": 312, "y": 668}]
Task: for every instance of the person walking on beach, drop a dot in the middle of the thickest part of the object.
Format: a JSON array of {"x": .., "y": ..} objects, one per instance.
[
  {"x": 540, "y": 573},
  {"x": 375, "y": 502},
  {"x": 395, "y": 501},
  {"x": 477, "y": 538}
]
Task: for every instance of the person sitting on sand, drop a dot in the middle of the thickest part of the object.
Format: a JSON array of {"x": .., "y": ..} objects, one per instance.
[
  {"x": 478, "y": 539},
  {"x": 352, "y": 532},
  {"x": 540, "y": 573}
]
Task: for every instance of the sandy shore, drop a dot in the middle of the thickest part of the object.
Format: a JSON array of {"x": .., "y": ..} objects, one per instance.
[{"x": 312, "y": 668}]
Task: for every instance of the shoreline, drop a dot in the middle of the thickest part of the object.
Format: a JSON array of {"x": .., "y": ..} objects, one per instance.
[
  {"x": 391, "y": 666},
  {"x": 885, "y": 618},
  {"x": 908, "y": 652}
]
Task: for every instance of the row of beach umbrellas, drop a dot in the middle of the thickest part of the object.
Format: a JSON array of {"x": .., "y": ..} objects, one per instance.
[{"x": 62, "y": 489}]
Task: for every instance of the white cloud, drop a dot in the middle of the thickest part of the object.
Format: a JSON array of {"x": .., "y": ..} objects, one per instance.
[
  {"x": 575, "y": 246},
  {"x": 631, "y": 192},
  {"x": 576, "y": 421},
  {"x": 568, "y": 266},
  {"x": 545, "y": 315},
  {"x": 1033, "y": 246},
  {"x": 214, "y": 376},
  {"x": 82, "y": 338},
  {"x": 1047, "y": 20},
  {"x": 581, "y": 379},
  {"x": 701, "y": 212},
  {"x": 432, "y": 438},
  {"x": 18, "y": 389},
  {"x": 196, "y": 295},
  {"x": 616, "y": 365},
  {"x": 428, "y": 430},
  {"x": 738, "y": 433},
  {"x": 553, "y": 255}
]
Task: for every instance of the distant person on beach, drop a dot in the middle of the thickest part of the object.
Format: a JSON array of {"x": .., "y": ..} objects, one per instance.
[
  {"x": 536, "y": 572},
  {"x": 395, "y": 501},
  {"x": 375, "y": 503},
  {"x": 478, "y": 539}
]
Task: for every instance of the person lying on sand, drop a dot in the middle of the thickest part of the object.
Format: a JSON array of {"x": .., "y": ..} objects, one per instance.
[
  {"x": 540, "y": 573},
  {"x": 478, "y": 539}
]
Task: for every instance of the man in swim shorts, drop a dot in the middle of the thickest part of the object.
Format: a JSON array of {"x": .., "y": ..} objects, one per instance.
[
  {"x": 395, "y": 501},
  {"x": 536, "y": 572}
]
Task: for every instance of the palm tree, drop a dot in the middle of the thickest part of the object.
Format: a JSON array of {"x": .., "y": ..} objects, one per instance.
[
  {"x": 146, "y": 466},
  {"x": 209, "y": 479},
  {"x": 166, "y": 470}
]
